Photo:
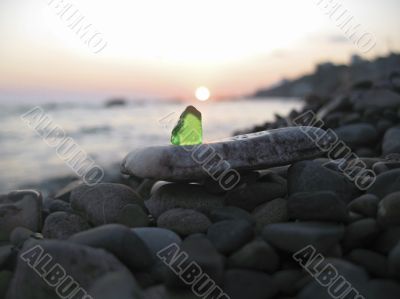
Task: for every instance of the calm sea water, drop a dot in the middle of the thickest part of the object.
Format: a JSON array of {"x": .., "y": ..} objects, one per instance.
[{"x": 107, "y": 134}]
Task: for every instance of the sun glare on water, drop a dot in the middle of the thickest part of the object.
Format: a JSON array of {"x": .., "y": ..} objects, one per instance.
[{"x": 202, "y": 93}]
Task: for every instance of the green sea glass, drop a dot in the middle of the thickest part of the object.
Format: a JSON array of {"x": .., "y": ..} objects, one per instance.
[{"x": 188, "y": 130}]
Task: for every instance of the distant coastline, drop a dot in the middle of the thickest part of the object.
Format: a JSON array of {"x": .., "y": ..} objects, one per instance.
[{"x": 329, "y": 78}]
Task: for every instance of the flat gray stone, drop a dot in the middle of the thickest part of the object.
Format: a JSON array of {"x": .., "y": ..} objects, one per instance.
[
  {"x": 243, "y": 152},
  {"x": 20, "y": 208}
]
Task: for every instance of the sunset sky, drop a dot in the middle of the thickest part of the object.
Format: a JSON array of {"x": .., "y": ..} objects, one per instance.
[{"x": 167, "y": 48}]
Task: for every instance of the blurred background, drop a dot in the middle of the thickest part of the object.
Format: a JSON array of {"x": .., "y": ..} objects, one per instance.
[{"x": 240, "y": 63}]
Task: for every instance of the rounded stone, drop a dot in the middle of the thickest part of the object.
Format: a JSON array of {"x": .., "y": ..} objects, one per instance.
[
  {"x": 239, "y": 284},
  {"x": 133, "y": 215},
  {"x": 231, "y": 213},
  {"x": 120, "y": 241},
  {"x": 389, "y": 210},
  {"x": 291, "y": 237},
  {"x": 121, "y": 285},
  {"x": 83, "y": 263},
  {"x": 360, "y": 233},
  {"x": 184, "y": 221},
  {"x": 357, "y": 134},
  {"x": 320, "y": 205},
  {"x": 310, "y": 176},
  {"x": 366, "y": 205},
  {"x": 386, "y": 183},
  {"x": 391, "y": 141},
  {"x": 62, "y": 225},
  {"x": 256, "y": 255},
  {"x": 103, "y": 203},
  {"x": 274, "y": 211},
  {"x": 186, "y": 196},
  {"x": 250, "y": 195},
  {"x": 373, "y": 262},
  {"x": 229, "y": 235}
]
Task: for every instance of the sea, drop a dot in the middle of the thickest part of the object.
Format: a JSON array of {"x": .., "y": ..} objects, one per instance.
[{"x": 108, "y": 133}]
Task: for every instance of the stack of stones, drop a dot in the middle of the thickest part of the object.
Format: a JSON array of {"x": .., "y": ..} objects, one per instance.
[{"x": 288, "y": 196}]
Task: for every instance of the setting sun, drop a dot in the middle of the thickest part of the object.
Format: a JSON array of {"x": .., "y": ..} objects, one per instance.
[{"x": 202, "y": 93}]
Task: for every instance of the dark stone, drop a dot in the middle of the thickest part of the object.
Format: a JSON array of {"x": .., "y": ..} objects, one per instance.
[
  {"x": 103, "y": 203},
  {"x": 379, "y": 288},
  {"x": 231, "y": 213},
  {"x": 320, "y": 205},
  {"x": 239, "y": 284},
  {"x": 291, "y": 236},
  {"x": 201, "y": 251},
  {"x": 120, "y": 241},
  {"x": 83, "y": 263},
  {"x": 386, "y": 183},
  {"x": 366, "y": 205},
  {"x": 274, "y": 211},
  {"x": 394, "y": 261},
  {"x": 256, "y": 255},
  {"x": 387, "y": 240},
  {"x": 250, "y": 195},
  {"x": 62, "y": 225},
  {"x": 360, "y": 233},
  {"x": 389, "y": 210},
  {"x": 309, "y": 176},
  {"x": 121, "y": 285},
  {"x": 375, "y": 263},
  {"x": 184, "y": 221},
  {"x": 357, "y": 134},
  {"x": 287, "y": 281},
  {"x": 186, "y": 196},
  {"x": 354, "y": 274},
  {"x": 229, "y": 235},
  {"x": 20, "y": 208},
  {"x": 391, "y": 141}
]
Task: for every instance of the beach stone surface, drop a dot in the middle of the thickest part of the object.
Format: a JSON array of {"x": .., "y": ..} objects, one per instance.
[
  {"x": 20, "y": 208},
  {"x": 360, "y": 233},
  {"x": 201, "y": 251},
  {"x": 309, "y": 176},
  {"x": 391, "y": 141},
  {"x": 119, "y": 284},
  {"x": 243, "y": 152},
  {"x": 186, "y": 196},
  {"x": 256, "y": 255},
  {"x": 62, "y": 225},
  {"x": 229, "y": 235},
  {"x": 320, "y": 205},
  {"x": 386, "y": 183},
  {"x": 120, "y": 241},
  {"x": 291, "y": 236},
  {"x": 104, "y": 202},
  {"x": 84, "y": 264},
  {"x": 184, "y": 221},
  {"x": 357, "y": 134},
  {"x": 231, "y": 213},
  {"x": 389, "y": 210},
  {"x": 274, "y": 211},
  {"x": 394, "y": 261},
  {"x": 249, "y": 195},
  {"x": 240, "y": 283},
  {"x": 366, "y": 205}
]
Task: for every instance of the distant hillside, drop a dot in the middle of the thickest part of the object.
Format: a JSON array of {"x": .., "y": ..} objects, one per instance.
[{"x": 329, "y": 78}]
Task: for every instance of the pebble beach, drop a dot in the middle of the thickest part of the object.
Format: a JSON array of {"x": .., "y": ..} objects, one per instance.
[{"x": 295, "y": 225}]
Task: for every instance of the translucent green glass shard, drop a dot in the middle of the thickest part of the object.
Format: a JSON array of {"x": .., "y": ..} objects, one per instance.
[{"x": 188, "y": 130}]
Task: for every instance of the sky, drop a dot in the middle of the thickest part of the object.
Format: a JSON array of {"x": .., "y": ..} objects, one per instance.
[{"x": 168, "y": 48}]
